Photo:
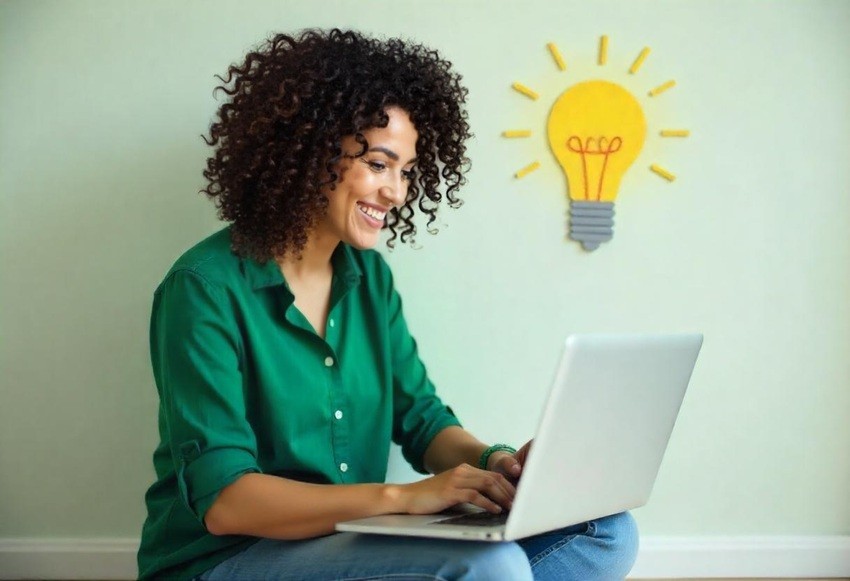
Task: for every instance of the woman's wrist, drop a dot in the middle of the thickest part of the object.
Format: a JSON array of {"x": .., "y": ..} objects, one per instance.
[
  {"x": 393, "y": 499},
  {"x": 484, "y": 461}
]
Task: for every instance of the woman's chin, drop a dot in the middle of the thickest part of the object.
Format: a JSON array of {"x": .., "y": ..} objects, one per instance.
[{"x": 364, "y": 241}]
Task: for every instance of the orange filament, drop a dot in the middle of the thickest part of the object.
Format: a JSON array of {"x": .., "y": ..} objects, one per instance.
[{"x": 594, "y": 146}]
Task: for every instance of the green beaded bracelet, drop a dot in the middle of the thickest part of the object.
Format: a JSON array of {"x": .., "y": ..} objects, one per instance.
[{"x": 485, "y": 456}]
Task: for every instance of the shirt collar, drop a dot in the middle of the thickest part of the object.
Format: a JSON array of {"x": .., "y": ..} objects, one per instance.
[
  {"x": 262, "y": 275},
  {"x": 345, "y": 267}
]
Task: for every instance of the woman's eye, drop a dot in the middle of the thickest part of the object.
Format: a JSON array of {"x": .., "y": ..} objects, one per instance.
[
  {"x": 376, "y": 165},
  {"x": 408, "y": 174}
]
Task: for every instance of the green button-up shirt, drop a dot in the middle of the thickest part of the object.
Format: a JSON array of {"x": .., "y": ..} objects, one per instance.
[{"x": 246, "y": 385}]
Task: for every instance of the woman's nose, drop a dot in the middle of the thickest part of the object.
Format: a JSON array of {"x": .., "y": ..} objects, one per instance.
[{"x": 395, "y": 192}]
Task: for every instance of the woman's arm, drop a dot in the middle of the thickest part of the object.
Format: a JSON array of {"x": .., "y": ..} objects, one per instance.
[
  {"x": 269, "y": 506},
  {"x": 262, "y": 505},
  {"x": 454, "y": 446}
]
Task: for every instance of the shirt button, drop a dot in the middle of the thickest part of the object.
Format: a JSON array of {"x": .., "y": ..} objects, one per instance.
[
  {"x": 338, "y": 414},
  {"x": 329, "y": 361},
  {"x": 331, "y": 322},
  {"x": 343, "y": 467}
]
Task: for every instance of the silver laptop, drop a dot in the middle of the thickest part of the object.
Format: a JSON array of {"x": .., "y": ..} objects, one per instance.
[{"x": 598, "y": 446}]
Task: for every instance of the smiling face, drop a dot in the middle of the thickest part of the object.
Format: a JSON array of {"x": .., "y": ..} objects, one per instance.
[{"x": 371, "y": 184}]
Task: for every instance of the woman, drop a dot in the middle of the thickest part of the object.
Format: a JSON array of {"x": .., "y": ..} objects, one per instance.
[{"x": 279, "y": 348}]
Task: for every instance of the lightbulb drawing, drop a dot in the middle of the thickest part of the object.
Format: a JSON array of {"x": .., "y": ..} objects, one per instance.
[{"x": 596, "y": 130}]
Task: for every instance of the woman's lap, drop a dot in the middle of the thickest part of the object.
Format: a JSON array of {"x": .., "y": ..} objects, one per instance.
[
  {"x": 602, "y": 549},
  {"x": 352, "y": 556}
]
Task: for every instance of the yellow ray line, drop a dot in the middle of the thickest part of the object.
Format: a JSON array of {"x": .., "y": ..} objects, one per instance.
[
  {"x": 675, "y": 133},
  {"x": 662, "y": 172},
  {"x": 556, "y": 54},
  {"x": 661, "y": 88},
  {"x": 525, "y": 91},
  {"x": 517, "y": 133},
  {"x": 639, "y": 60},
  {"x": 603, "y": 49},
  {"x": 527, "y": 169}
]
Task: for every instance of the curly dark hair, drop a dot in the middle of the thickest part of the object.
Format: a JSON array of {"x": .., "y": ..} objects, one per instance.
[{"x": 294, "y": 98}]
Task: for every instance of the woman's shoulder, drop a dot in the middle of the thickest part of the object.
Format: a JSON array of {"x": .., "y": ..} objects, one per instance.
[{"x": 211, "y": 259}]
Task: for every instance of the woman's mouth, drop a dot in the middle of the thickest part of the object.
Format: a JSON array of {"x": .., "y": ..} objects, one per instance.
[{"x": 372, "y": 215}]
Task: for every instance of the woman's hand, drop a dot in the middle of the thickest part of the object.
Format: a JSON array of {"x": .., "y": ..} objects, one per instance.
[
  {"x": 489, "y": 490},
  {"x": 509, "y": 465}
]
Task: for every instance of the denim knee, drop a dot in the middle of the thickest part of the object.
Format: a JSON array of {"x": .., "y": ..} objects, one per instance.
[
  {"x": 619, "y": 534},
  {"x": 486, "y": 561}
]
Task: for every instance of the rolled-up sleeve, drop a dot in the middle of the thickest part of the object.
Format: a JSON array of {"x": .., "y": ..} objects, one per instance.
[
  {"x": 418, "y": 413},
  {"x": 195, "y": 350}
]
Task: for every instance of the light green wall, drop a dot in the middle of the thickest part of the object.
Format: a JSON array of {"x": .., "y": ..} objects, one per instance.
[{"x": 101, "y": 109}]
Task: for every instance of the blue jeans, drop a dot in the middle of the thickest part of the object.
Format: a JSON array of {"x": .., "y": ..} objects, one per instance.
[{"x": 604, "y": 549}]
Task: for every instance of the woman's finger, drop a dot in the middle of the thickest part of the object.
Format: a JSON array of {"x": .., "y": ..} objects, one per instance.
[
  {"x": 472, "y": 496},
  {"x": 522, "y": 454},
  {"x": 506, "y": 486},
  {"x": 493, "y": 484},
  {"x": 509, "y": 466}
]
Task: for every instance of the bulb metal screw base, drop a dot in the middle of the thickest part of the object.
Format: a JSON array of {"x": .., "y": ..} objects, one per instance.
[{"x": 591, "y": 223}]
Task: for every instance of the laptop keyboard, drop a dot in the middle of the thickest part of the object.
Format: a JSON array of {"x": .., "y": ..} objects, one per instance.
[{"x": 477, "y": 519}]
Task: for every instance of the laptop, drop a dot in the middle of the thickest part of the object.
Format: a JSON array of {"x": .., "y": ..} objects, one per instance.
[{"x": 598, "y": 446}]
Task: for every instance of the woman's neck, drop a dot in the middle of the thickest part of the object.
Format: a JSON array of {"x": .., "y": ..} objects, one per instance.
[{"x": 315, "y": 259}]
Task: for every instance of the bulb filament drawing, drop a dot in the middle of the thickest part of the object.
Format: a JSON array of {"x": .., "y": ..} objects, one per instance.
[{"x": 593, "y": 170}]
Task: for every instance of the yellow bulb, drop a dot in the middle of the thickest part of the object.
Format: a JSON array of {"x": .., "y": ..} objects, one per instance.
[{"x": 596, "y": 131}]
